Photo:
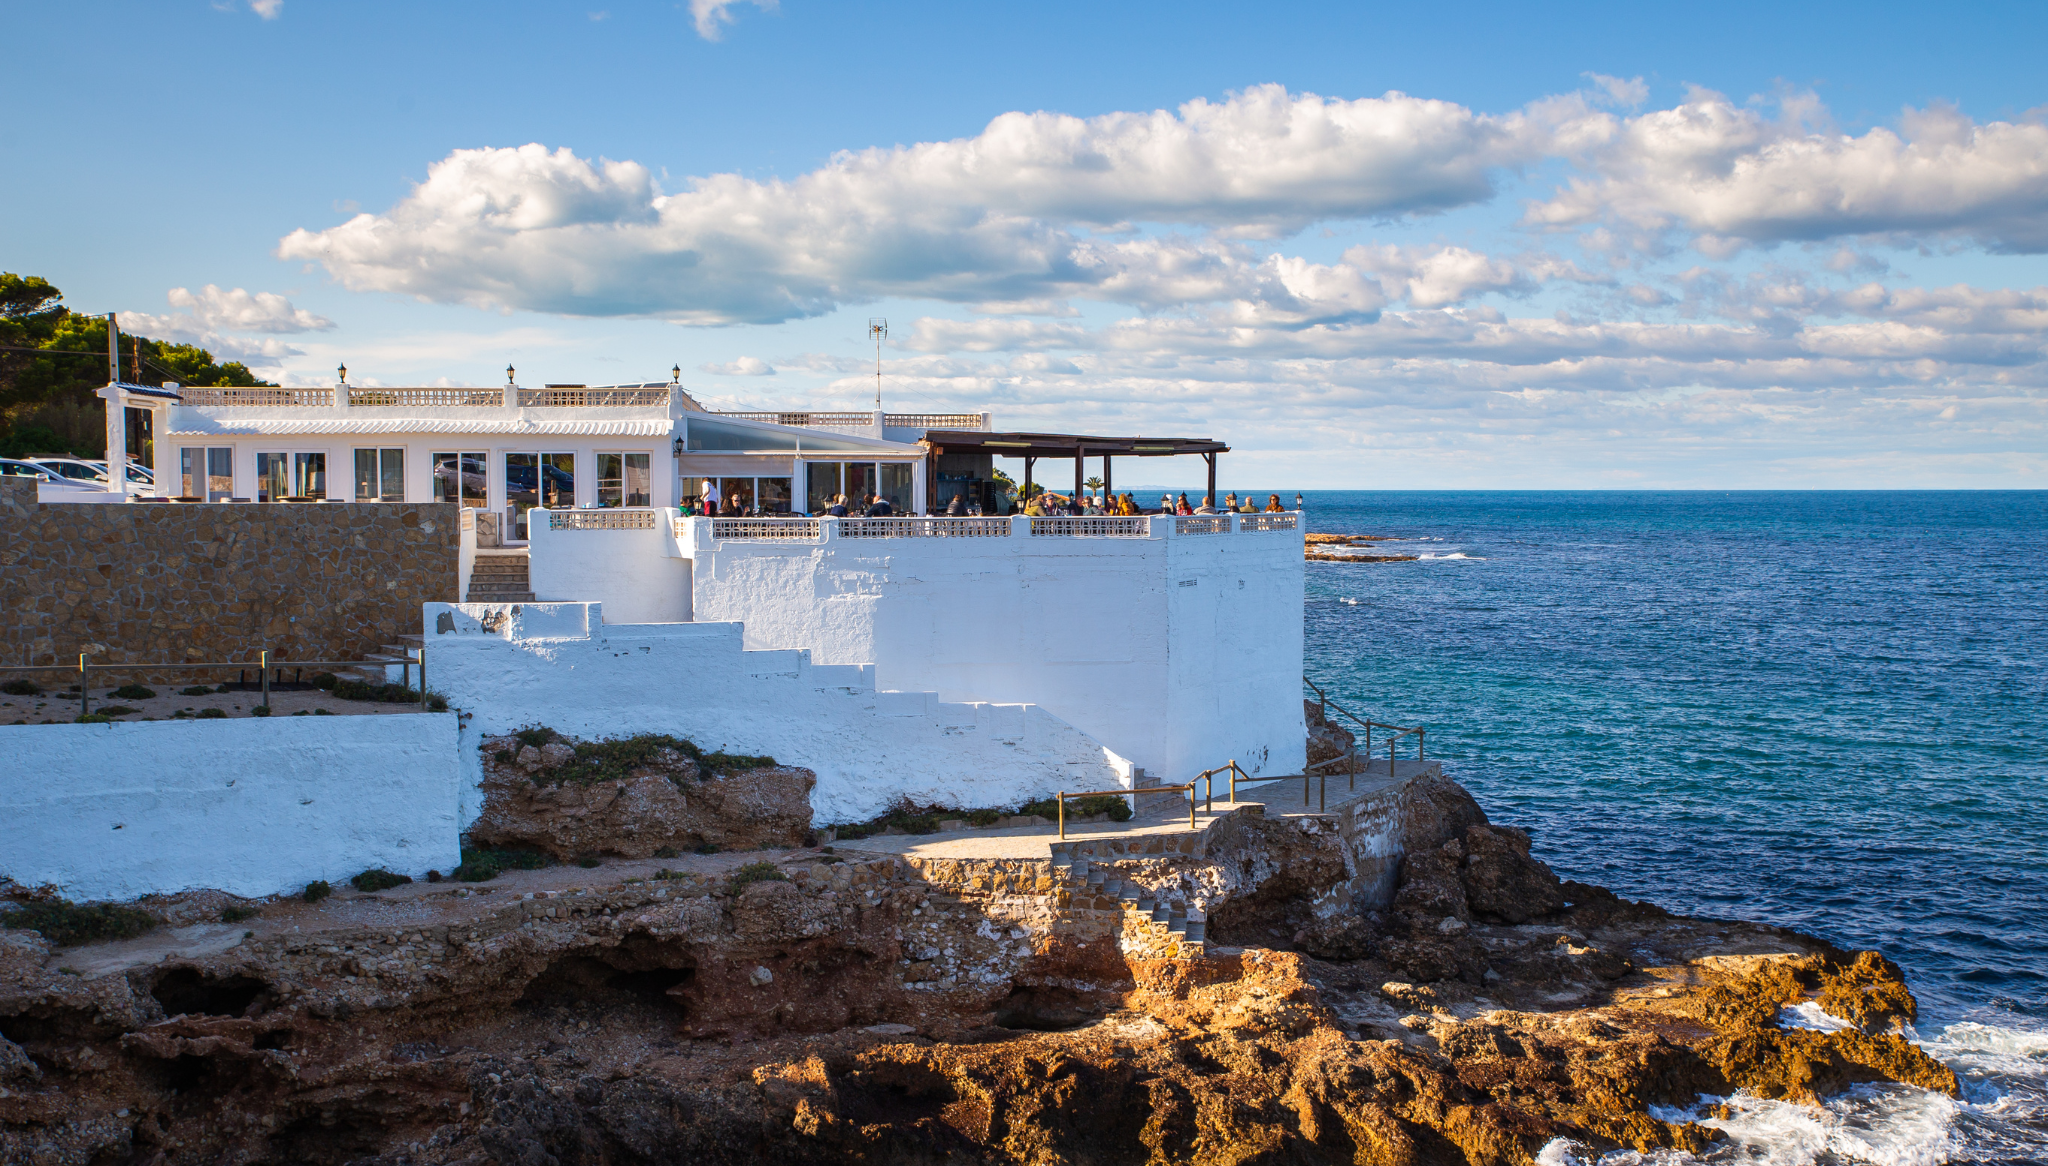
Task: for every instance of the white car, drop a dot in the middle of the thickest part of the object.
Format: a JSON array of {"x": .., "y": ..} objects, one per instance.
[
  {"x": 44, "y": 475},
  {"x": 81, "y": 470}
]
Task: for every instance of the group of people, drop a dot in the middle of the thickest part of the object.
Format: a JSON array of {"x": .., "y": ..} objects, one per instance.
[
  {"x": 1123, "y": 505},
  {"x": 1086, "y": 503}
]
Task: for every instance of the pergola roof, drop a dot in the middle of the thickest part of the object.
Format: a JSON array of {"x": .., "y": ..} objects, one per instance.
[{"x": 1066, "y": 445}]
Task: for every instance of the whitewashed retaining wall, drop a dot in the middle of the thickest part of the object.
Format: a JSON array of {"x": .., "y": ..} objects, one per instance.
[
  {"x": 252, "y": 807},
  {"x": 634, "y": 573},
  {"x": 1177, "y": 651},
  {"x": 507, "y": 666}
]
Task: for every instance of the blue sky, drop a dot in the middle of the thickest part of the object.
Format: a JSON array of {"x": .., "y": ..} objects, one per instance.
[{"x": 1487, "y": 246}]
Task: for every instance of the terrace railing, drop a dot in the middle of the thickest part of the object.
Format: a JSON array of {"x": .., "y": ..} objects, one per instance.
[
  {"x": 1394, "y": 732},
  {"x": 590, "y": 398},
  {"x": 1084, "y": 527},
  {"x": 1203, "y": 524},
  {"x": 925, "y": 528},
  {"x": 608, "y": 519},
  {"x": 1251, "y": 522},
  {"x": 258, "y": 398},
  {"x": 431, "y": 397},
  {"x": 780, "y": 530}
]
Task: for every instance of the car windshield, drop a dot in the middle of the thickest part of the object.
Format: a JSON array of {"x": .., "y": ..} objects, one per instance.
[
  {"x": 20, "y": 470},
  {"x": 72, "y": 469}
]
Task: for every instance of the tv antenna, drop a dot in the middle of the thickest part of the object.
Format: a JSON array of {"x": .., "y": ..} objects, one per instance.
[{"x": 878, "y": 328}]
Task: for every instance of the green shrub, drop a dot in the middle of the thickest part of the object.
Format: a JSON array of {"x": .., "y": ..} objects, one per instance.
[
  {"x": 317, "y": 890},
  {"x": 197, "y": 690},
  {"x": 536, "y": 735},
  {"x": 323, "y": 712},
  {"x": 21, "y": 688},
  {"x": 587, "y": 861},
  {"x": 668, "y": 852},
  {"x": 95, "y": 719},
  {"x": 437, "y": 703},
  {"x": 377, "y": 879},
  {"x": 235, "y": 913},
  {"x": 133, "y": 692},
  {"x": 212, "y": 714},
  {"x": 325, "y": 680},
  {"x": 755, "y": 872},
  {"x": 378, "y": 693},
  {"x": 504, "y": 757},
  {"x": 223, "y": 688},
  {"x": 69, "y": 924},
  {"x": 261, "y": 710},
  {"x": 118, "y": 710},
  {"x": 983, "y": 817},
  {"x": 480, "y": 866}
]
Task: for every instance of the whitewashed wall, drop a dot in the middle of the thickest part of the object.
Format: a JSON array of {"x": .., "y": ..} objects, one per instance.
[
  {"x": 1178, "y": 652},
  {"x": 635, "y": 574},
  {"x": 252, "y": 807},
  {"x": 562, "y": 665}
]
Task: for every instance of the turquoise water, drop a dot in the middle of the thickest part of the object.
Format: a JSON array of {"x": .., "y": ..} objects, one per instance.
[{"x": 1819, "y": 710}]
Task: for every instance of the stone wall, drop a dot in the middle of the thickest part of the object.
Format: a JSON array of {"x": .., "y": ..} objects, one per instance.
[{"x": 221, "y": 581}]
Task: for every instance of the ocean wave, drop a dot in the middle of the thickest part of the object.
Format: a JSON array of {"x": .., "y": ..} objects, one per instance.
[
  {"x": 1808, "y": 1014},
  {"x": 1427, "y": 557}
]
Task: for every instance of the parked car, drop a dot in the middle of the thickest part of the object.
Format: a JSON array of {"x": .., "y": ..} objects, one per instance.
[
  {"x": 137, "y": 472},
  {"x": 77, "y": 469},
  {"x": 45, "y": 475}
]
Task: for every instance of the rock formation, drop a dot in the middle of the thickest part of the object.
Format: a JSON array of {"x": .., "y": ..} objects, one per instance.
[{"x": 879, "y": 1010}]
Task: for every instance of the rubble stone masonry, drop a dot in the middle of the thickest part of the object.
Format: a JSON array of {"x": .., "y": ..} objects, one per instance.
[{"x": 221, "y": 581}]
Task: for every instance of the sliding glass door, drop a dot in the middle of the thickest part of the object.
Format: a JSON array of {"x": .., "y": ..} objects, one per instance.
[{"x": 538, "y": 479}]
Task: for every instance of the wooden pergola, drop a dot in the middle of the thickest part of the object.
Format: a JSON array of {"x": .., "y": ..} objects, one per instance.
[{"x": 1079, "y": 447}]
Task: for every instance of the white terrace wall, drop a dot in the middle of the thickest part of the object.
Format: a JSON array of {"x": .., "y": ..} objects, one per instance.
[
  {"x": 623, "y": 559},
  {"x": 508, "y": 666},
  {"x": 1177, "y": 650},
  {"x": 252, "y": 807}
]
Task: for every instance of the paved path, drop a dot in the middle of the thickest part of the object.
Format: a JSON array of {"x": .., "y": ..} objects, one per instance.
[{"x": 1168, "y": 816}]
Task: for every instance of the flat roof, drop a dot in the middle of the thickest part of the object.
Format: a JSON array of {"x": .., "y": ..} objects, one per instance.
[{"x": 1066, "y": 445}]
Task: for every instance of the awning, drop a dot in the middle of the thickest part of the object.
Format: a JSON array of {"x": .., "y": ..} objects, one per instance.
[
  {"x": 1066, "y": 445},
  {"x": 190, "y": 426}
]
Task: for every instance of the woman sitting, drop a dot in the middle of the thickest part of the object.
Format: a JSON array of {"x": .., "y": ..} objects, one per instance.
[{"x": 1273, "y": 505}]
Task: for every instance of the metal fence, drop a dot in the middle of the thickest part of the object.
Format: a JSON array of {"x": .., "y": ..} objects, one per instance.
[
  {"x": 263, "y": 664},
  {"x": 924, "y": 528},
  {"x": 600, "y": 520}
]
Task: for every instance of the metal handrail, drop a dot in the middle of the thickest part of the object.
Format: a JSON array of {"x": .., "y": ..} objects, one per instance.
[
  {"x": 263, "y": 663},
  {"x": 1421, "y": 732},
  {"x": 1062, "y": 796}
]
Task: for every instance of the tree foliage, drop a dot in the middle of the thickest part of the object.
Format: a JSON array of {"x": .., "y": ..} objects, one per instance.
[{"x": 52, "y": 360}]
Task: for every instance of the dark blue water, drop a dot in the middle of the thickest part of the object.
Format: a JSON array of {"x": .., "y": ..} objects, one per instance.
[{"x": 1820, "y": 710}]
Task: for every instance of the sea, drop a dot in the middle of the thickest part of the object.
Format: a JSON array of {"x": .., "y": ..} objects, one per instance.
[{"x": 1823, "y": 710}]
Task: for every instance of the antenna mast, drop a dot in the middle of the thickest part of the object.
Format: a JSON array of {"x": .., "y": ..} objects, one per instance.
[{"x": 879, "y": 329}]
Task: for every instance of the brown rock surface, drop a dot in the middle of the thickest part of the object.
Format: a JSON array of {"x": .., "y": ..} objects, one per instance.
[
  {"x": 879, "y": 1012},
  {"x": 668, "y": 803}
]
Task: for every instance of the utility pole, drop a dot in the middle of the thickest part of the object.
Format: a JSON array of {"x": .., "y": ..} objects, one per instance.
[{"x": 879, "y": 329}]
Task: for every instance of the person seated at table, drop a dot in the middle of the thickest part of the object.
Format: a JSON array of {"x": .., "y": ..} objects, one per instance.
[
  {"x": 878, "y": 507},
  {"x": 838, "y": 507},
  {"x": 957, "y": 508},
  {"x": 1230, "y": 500},
  {"x": 1207, "y": 506},
  {"x": 1182, "y": 507},
  {"x": 1273, "y": 505}
]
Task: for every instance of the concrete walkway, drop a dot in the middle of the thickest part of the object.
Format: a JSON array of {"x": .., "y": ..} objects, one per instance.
[{"x": 1167, "y": 816}]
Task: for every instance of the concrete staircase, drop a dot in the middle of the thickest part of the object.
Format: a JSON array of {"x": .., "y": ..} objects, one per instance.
[
  {"x": 392, "y": 664},
  {"x": 1159, "y": 926},
  {"x": 500, "y": 577}
]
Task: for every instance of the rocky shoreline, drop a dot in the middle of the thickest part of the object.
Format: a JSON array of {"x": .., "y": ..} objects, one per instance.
[{"x": 876, "y": 1010}]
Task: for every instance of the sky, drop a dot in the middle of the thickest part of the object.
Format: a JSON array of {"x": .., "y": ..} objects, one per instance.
[{"x": 1370, "y": 246}]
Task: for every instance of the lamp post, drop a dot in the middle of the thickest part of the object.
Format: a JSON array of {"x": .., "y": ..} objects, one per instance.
[
  {"x": 675, "y": 374},
  {"x": 508, "y": 375},
  {"x": 341, "y": 370},
  {"x": 1297, "y": 500}
]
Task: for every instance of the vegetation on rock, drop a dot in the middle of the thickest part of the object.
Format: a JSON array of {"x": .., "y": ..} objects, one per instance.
[{"x": 69, "y": 924}]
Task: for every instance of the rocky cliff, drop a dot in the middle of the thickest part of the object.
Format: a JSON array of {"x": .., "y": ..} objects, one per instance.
[{"x": 713, "y": 1009}]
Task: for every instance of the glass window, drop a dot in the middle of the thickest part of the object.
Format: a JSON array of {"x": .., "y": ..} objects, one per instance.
[
  {"x": 522, "y": 488},
  {"x": 736, "y": 491},
  {"x": 380, "y": 475},
  {"x": 206, "y": 472},
  {"x": 309, "y": 476},
  {"x": 558, "y": 480},
  {"x": 460, "y": 478},
  {"x": 821, "y": 482},
  {"x": 726, "y": 435},
  {"x": 772, "y": 494},
  {"x": 860, "y": 483},
  {"x": 896, "y": 482},
  {"x": 625, "y": 479},
  {"x": 273, "y": 477}
]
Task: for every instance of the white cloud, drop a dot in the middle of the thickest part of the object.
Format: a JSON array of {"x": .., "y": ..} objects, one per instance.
[
  {"x": 237, "y": 310},
  {"x": 745, "y": 366},
  {"x": 710, "y": 15},
  {"x": 1732, "y": 175},
  {"x": 267, "y": 9},
  {"x": 1004, "y": 216}
]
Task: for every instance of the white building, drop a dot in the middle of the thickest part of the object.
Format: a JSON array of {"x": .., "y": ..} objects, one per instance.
[
  {"x": 506, "y": 450},
  {"x": 1166, "y": 645}
]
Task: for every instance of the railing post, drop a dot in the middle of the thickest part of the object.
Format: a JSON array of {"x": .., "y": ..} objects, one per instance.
[
  {"x": 84, "y": 693},
  {"x": 1061, "y": 801},
  {"x": 1191, "y": 805},
  {"x": 264, "y": 657},
  {"x": 1323, "y": 794},
  {"x": 423, "y": 677}
]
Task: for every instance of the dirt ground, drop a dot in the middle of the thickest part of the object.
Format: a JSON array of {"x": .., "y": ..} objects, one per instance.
[{"x": 57, "y": 707}]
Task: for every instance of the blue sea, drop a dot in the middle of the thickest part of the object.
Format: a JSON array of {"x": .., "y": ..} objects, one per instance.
[{"x": 1825, "y": 710}]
